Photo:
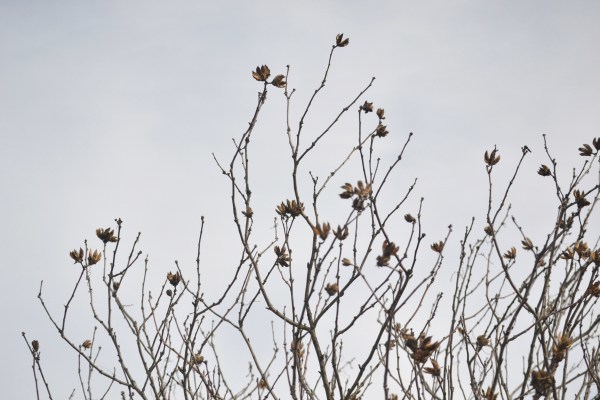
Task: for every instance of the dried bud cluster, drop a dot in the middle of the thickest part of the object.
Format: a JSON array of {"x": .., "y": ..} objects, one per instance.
[
  {"x": 389, "y": 249},
  {"x": 409, "y": 218},
  {"x": 290, "y": 208}
]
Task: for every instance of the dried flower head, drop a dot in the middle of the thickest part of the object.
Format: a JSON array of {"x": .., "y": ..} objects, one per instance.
[
  {"x": 409, "y": 218},
  {"x": 86, "y": 344},
  {"x": 197, "y": 359},
  {"x": 482, "y": 341},
  {"x": 489, "y": 230},
  {"x": 527, "y": 244},
  {"x": 381, "y": 113},
  {"x": 262, "y": 384},
  {"x": 542, "y": 381},
  {"x": 283, "y": 259},
  {"x": 586, "y": 150},
  {"x": 262, "y": 73},
  {"x": 367, "y": 107},
  {"x": 422, "y": 348},
  {"x": 77, "y": 255},
  {"x": 290, "y": 208},
  {"x": 580, "y": 199},
  {"x": 489, "y": 395},
  {"x": 561, "y": 346},
  {"x": 279, "y": 81},
  {"x": 381, "y": 131},
  {"x": 593, "y": 289},
  {"x": 544, "y": 170},
  {"x": 348, "y": 191},
  {"x": 388, "y": 250},
  {"x": 106, "y": 235},
  {"x": 492, "y": 158},
  {"x": 341, "y": 233},
  {"x": 297, "y": 348},
  {"x": 363, "y": 190},
  {"x": 340, "y": 41},
  {"x": 169, "y": 292},
  {"x": 435, "y": 369},
  {"x": 510, "y": 254},
  {"x": 332, "y": 289},
  {"x": 322, "y": 231},
  {"x": 174, "y": 279},
  {"x": 35, "y": 345},
  {"x": 93, "y": 257},
  {"x": 438, "y": 247},
  {"x": 582, "y": 249},
  {"x": 248, "y": 213},
  {"x": 596, "y": 143},
  {"x": 346, "y": 262}
]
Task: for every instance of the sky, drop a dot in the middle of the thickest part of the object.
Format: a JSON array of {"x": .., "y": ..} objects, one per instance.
[{"x": 113, "y": 109}]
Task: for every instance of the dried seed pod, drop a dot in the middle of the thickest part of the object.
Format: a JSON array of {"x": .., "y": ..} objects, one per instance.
[
  {"x": 438, "y": 247},
  {"x": 492, "y": 158},
  {"x": 367, "y": 107},
  {"x": 586, "y": 150},
  {"x": 340, "y": 41},
  {"x": 77, "y": 255},
  {"x": 510, "y": 254},
  {"x": 544, "y": 170},
  {"x": 262, "y": 73},
  {"x": 174, "y": 279},
  {"x": 106, "y": 235},
  {"x": 93, "y": 257}
]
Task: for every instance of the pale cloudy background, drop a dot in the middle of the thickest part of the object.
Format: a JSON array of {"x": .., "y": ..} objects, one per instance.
[{"x": 112, "y": 109}]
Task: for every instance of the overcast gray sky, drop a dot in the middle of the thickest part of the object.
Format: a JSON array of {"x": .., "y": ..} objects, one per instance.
[{"x": 112, "y": 109}]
